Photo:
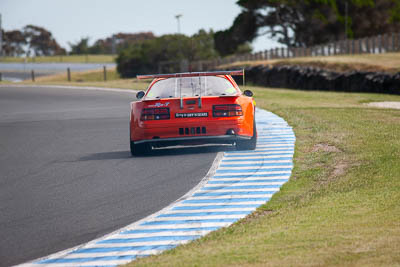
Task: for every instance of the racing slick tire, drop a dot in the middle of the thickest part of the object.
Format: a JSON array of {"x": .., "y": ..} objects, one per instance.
[
  {"x": 139, "y": 149},
  {"x": 248, "y": 144}
]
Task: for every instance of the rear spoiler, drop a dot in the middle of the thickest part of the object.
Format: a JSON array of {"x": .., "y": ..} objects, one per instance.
[{"x": 191, "y": 74}]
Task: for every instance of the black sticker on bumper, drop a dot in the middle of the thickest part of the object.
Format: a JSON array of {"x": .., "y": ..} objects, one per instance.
[{"x": 191, "y": 115}]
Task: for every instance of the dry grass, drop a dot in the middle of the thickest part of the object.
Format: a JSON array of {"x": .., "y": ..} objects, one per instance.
[{"x": 389, "y": 62}]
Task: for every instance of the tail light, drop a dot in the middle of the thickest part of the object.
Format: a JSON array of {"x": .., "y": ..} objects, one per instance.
[
  {"x": 229, "y": 110},
  {"x": 155, "y": 114}
]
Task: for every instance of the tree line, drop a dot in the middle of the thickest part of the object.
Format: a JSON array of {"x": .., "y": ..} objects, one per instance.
[
  {"x": 34, "y": 40},
  {"x": 308, "y": 23},
  {"x": 31, "y": 40}
]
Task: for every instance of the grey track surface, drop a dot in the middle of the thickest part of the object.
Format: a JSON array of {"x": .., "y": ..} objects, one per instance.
[{"x": 66, "y": 175}]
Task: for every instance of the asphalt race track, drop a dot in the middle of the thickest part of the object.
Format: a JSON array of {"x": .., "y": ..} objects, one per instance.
[{"x": 66, "y": 174}]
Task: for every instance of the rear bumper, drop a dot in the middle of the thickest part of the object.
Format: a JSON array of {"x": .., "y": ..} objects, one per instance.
[
  {"x": 221, "y": 139},
  {"x": 193, "y": 130}
]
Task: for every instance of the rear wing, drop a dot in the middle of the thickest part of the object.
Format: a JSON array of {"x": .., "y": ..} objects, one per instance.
[{"x": 191, "y": 74}]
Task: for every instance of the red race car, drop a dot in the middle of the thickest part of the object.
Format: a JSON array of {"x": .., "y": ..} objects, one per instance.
[{"x": 190, "y": 109}]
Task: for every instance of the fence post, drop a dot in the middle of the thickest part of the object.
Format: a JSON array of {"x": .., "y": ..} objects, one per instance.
[
  {"x": 380, "y": 43},
  {"x": 105, "y": 73},
  {"x": 387, "y": 40},
  {"x": 68, "y": 74},
  {"x": 33, "y": 75},
  {"x": 392, "y": 48},
  {"x": 343, "y": 47},
  {"x": 1, "y": 76}
]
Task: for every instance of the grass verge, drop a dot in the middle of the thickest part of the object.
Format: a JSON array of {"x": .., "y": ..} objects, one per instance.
[
  {"x": 62, "y": 59},
  {"x": 341, "y": 205}
]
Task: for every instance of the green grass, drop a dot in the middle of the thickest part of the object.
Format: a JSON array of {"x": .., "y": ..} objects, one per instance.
[
  {"x": 67, "y": 59},
  {"x": 341, "y": 205}
]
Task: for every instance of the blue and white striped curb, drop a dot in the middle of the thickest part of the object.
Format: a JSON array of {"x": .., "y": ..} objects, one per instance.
[{"x": 238, "y": 183}]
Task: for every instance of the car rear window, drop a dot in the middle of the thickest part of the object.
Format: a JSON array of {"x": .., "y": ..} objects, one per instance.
[{"x": 191, "y": 87}]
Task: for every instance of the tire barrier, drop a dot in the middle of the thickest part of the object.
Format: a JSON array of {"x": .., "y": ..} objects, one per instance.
[{"x": 312, "y": 78}]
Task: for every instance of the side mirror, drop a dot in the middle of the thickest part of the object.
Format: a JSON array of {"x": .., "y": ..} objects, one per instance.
[
  {"x": 140, "y": 94},
  {"x": 248, "y": 93}
]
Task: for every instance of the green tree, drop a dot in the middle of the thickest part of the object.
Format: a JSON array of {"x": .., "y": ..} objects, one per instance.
[
  {"x": 13, "y": 43},
  {"x": 41, "y": 41},
  {"x": 244, "y": 29},
  {"x": 311, "y": 22},
  {"x": 81, "y": 47},
  {"x": 203, "y": 45},
  {"x": 145, "y": 57},
  {"x": 118, "y": 41}
]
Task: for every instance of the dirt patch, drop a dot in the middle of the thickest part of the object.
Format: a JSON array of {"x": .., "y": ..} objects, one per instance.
[
  {"x": 339, "y": 169},
  {"x": 325, "y": 148},
  {"x": 386, "y": 104}
]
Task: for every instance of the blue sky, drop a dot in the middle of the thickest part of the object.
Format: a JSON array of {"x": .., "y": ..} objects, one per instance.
[{"x": 69, "y": 20}]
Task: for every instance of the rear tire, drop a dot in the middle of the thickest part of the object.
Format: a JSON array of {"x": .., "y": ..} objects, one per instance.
[
  {"x": 248, "y": 144},
  {"x": 139, "y": 149}
]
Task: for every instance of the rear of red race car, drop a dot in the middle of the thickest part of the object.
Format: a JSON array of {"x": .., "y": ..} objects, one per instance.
[{"x": 192, "y": 109}]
